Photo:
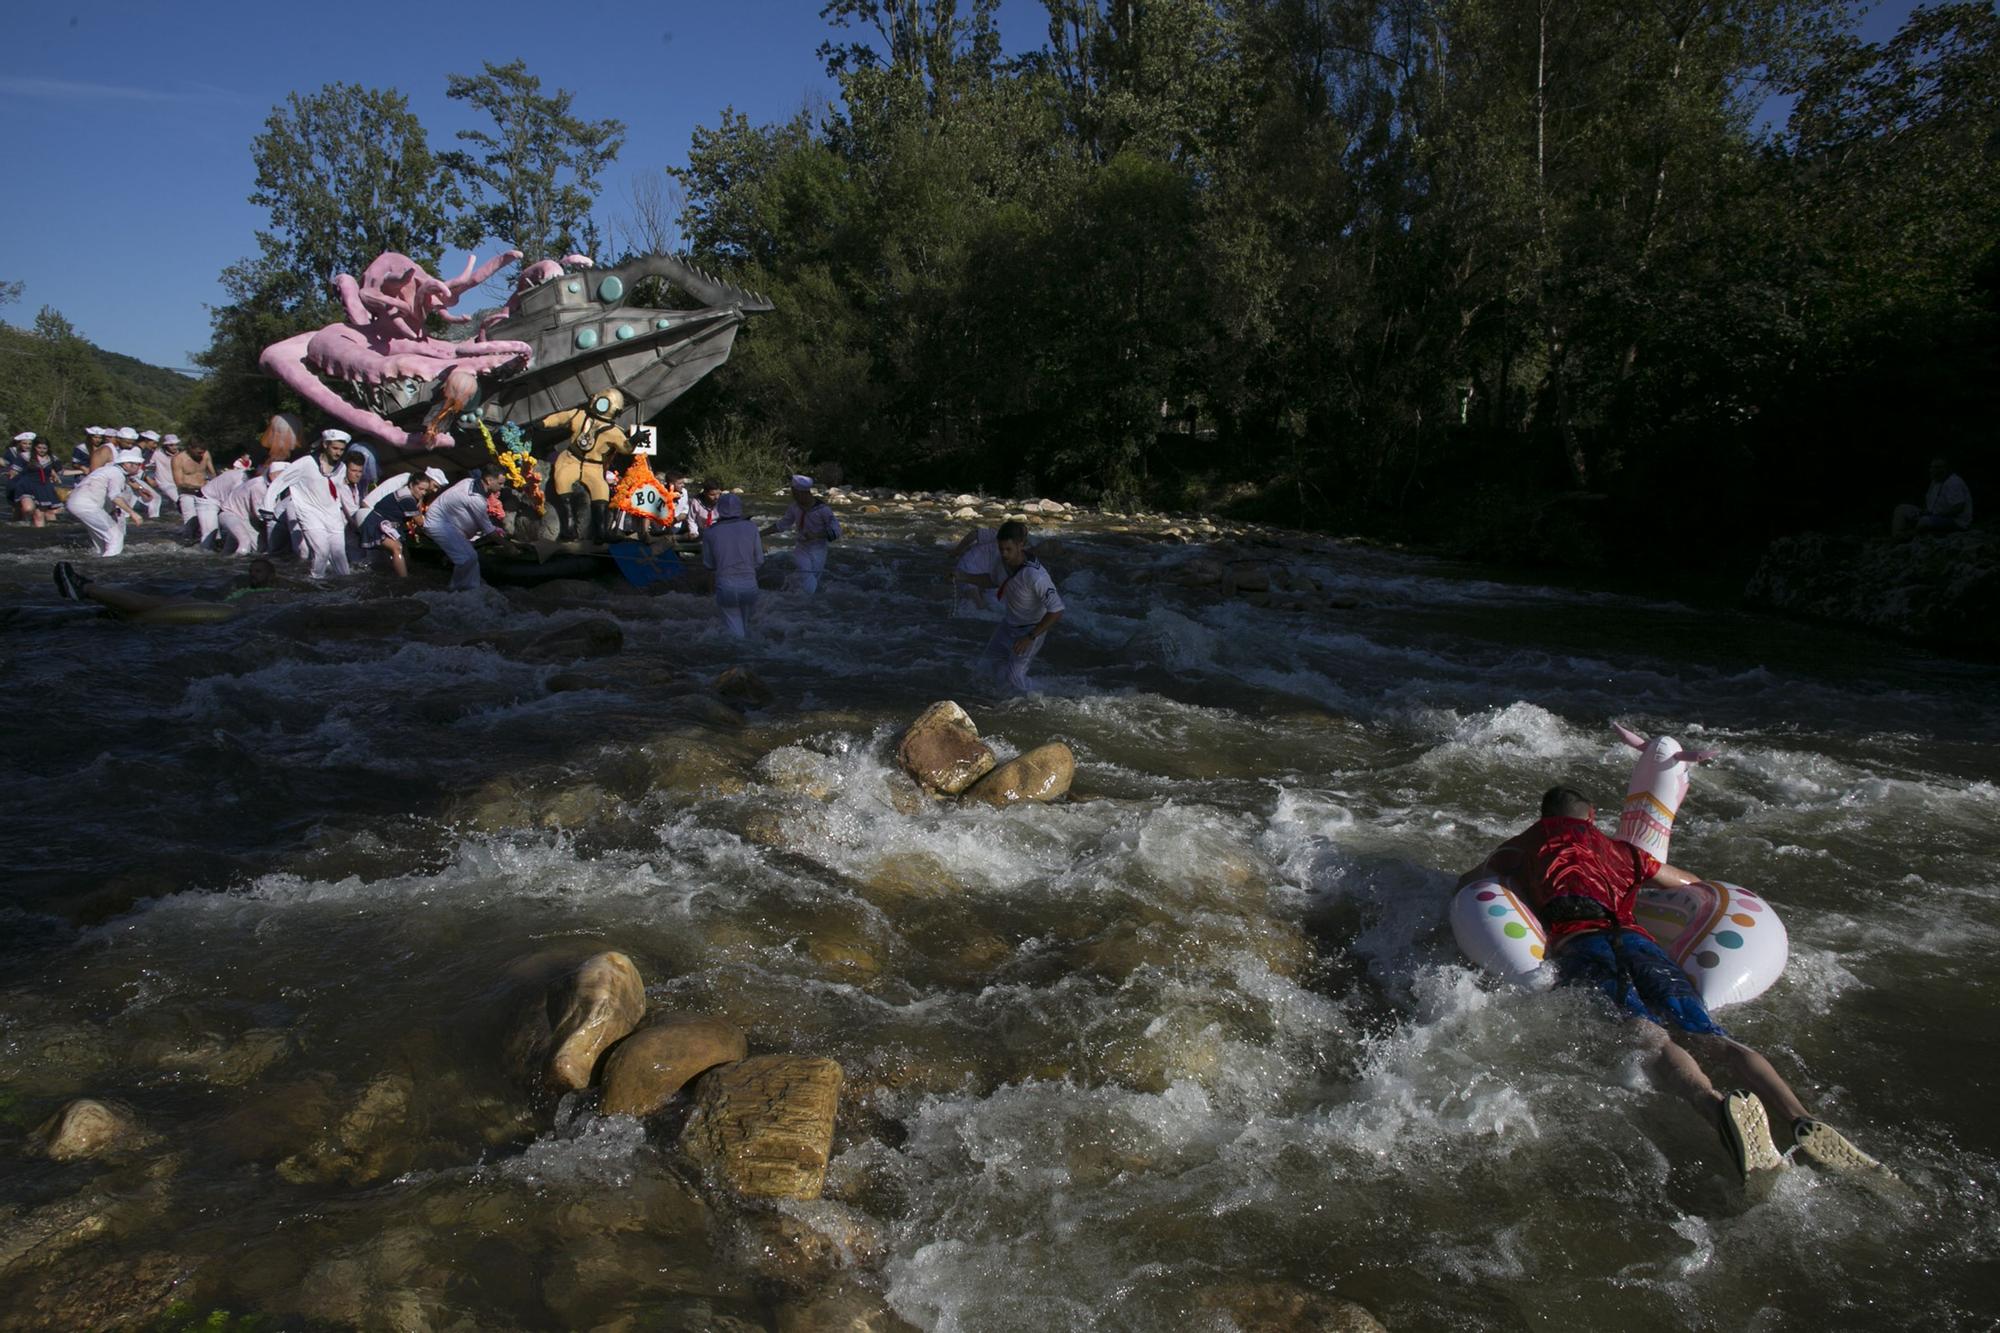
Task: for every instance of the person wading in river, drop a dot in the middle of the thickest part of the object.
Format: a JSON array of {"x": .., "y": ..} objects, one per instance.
[
  {"x": 1030, "y": 606},
  {"x": 1583, "y": 886}
]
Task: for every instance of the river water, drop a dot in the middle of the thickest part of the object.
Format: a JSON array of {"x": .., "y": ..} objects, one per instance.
[{"x": 1110, "y": 1064}]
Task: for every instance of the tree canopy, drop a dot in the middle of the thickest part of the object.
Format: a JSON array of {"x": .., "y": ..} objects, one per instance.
[{"x": 1507, "y": 269}]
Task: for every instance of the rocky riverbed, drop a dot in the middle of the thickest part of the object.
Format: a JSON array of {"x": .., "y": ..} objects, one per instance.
[{"x": 544, "y": 958}]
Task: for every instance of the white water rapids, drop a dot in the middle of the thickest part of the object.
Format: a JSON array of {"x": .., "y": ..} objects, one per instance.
[{"x": 1200, "y": 1029}]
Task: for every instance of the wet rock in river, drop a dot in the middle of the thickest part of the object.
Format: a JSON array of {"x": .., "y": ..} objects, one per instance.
[
  {"x": 798, "y": 770},
  {"x": 1042, "y": 774},
  {"x": 87, "y": 1128},
  {"x": 574, "y": 805},
  {"x": 492, "y": 807},
  {"x": 844, "y": 953},
  {"x": 54, "y": 1058},
  {"x": 942, "y": 750},
  {"x": 643, "y": 1072},
  {"x": 122, "y": 1291},
  {"x": 564, "y": 1031},
  {"x": 602, "y": 1002},
  {"x": 801, "y": 1247},
  {"x": 1283, "y": 1307},
  {"x": 844, "y": 1307},
  {"x": 765, "y": 1125},
  {"x": 741, "y": 685},
  {"x": 598, "y": 636},
  {"x": 596, "y": 1279},
  {"x": 369, "y": 1141}
]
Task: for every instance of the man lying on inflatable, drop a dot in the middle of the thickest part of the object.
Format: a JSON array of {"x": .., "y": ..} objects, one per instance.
[{"x": 1582, "y": 886}]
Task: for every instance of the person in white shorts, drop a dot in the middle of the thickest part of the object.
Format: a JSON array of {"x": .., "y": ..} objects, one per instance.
[{"x": 103, "y": 501}]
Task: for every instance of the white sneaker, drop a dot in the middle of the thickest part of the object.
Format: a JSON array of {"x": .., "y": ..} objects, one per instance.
[
  {"x": 1828, "y": 1149},
  {"x": 1746, "y": 1131}
]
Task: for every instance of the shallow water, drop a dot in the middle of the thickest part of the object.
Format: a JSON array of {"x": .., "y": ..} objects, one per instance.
[{"x": 1203, "y": 1028}]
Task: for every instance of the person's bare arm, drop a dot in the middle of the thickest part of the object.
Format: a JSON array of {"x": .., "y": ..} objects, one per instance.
[{"x": 1670, "y": 877}]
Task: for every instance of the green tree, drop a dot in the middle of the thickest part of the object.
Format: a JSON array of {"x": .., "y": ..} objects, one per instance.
[
  {"x": 70, "y": 380},
  {"x": 535, "y": 172},
  {"x": 346, "y": 173}
]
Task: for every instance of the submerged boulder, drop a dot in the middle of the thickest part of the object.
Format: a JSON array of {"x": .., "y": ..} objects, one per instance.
[
  {"x": 942, "y": 750},
  {"x": 741, "y": 685},
  {"x": 644, "y": 1071},
  {"x": 87, "y": 1128},
  {"x": 1042, "y": 774},
  {"x": 765, "y": 1125},
  {"x": 1281, "y": 1307},
  {"x": 372, "y": 1138}
]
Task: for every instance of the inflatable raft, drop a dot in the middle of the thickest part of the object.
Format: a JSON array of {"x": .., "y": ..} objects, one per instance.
[{"x": 1728, "y": 940}]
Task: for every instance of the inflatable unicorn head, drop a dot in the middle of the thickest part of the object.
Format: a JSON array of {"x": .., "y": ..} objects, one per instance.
[{"x": 1659, "y": 785}]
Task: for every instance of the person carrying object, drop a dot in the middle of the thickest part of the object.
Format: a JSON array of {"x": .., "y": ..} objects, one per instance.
[
  {"x": 458, "y": 519},
  {"x": 395, "y": 508}
]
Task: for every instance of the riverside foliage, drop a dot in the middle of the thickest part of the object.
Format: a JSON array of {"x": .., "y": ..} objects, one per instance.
[{"x": 1487, "y": 266}]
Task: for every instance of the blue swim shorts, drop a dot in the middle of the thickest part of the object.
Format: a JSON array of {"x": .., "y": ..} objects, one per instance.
[{"x": 1636, "y": 975}]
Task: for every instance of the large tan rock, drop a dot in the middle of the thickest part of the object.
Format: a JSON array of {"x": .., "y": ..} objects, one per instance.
[
  {"x": 644, "y": 1071},
  {"x": 1042, "y": 774},
  {"x": 88, "y": 1128},
  {"x": 571, "y": 1015},
  {"x": 603, "y": 1001},
  {"x": 765, "y": 1124},
  {"x": 942, "y": 750}
]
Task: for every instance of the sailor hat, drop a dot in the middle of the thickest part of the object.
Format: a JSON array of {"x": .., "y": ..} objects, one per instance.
[
  {"x": 127, "y": 456},
  {"x": 801, "y": 482},
  {"x": 338, "y": 436},
  {"x": 127, "y": 433},
  {"x": 24, "y": 437},
  {"x": 170, "y": 439},
  {"x": 436, "y": 475}
]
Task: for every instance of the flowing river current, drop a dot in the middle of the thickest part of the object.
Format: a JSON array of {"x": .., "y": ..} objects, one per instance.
[{"x": 1193, "y": 1045}]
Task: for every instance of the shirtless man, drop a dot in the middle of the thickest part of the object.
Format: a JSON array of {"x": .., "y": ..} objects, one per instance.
[
  {"x": 191, "y": 469},
  {"x": 1582, "y": 885}
]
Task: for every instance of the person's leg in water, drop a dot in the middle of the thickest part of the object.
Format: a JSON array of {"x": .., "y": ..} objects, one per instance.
[{"x": 1652, "y": 988}]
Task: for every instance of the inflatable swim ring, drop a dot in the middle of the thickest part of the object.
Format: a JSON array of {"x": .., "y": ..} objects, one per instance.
[{"x": 1729, "y": 941}]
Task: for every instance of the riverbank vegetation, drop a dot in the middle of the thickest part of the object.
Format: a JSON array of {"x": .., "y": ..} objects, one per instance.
[{"x": 1553, "y": 279}]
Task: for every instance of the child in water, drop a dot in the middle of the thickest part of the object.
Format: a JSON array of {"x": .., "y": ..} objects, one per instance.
[{"x": 1029, "y": 608}]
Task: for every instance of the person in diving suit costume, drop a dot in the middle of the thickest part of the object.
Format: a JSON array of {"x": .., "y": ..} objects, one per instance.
[{"x": 595, "y": 443}]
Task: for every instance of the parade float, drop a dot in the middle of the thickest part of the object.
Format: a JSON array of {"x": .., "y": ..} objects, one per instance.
[{"x": 570, "y": 351}]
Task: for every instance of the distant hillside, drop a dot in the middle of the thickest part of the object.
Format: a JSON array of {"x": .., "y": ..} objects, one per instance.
[{"x": 58, "y": 396}]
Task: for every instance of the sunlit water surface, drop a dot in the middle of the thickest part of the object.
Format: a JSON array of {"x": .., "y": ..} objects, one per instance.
[{"x": 1203, "y": 1026}]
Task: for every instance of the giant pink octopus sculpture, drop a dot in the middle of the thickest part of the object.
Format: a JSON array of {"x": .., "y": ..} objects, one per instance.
[{"x": 383, "y": 341}]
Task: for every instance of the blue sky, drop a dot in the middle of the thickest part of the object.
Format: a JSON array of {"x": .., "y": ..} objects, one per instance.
[{"x": 127, "y": 124}]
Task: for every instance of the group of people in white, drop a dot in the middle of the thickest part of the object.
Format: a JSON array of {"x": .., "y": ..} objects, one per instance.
[{"x": 328, "y": 505}]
